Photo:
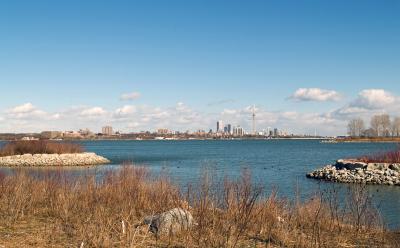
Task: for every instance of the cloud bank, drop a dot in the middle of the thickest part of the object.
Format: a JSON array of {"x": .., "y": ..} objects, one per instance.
[
  {"x": 27, "y": 117},
  {"x": 315, "y": 94}
]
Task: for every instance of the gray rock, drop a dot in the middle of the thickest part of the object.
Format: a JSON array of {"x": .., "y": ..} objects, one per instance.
[
  {"x": 395, "y": 167},
  {"x": 350, "y": 164},
  {"x": 170, "y": 222}
]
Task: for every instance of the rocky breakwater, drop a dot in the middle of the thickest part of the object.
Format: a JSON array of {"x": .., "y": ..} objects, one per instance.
[
  {"x": 353, "y": 171},
  {"x": 41, "y": 160}
]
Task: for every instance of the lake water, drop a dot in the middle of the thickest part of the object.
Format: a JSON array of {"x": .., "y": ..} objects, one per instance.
[{"x": 276, "y": 164}]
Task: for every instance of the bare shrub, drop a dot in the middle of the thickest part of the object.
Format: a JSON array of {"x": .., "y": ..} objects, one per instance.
[
  {"x": 384, "y": 157},
  {"x": 39, "y": 147}
]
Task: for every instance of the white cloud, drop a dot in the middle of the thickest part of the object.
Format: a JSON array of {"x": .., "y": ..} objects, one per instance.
[
  {"x": 125, "y": 111},
  {"x": 368, "y": 103},
  {"x": 93, "y": 112},
  {"x": 24, "y": 108},
  {"x": 179, "y": 116},
  {"x": 182, "y": 108},
  {"x": 25, "y": 111},
  {"x": 56, "y": 116},
  {"x": 229, "y": 112},
  {"x": 373, "y": 99},
  {"x": 315, "y": 94},
  {"x": 130, "y": 96},
  {"x": 134, "y": 124},
  {"x": 27, "y": 118},
  {"x": 130, "y": 118},
  {"x": 290, "y": 115}
]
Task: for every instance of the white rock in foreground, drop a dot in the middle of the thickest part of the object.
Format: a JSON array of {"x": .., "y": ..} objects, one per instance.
[
  {"x": 170, "y": 222},
  {"x": 38, "y": 160}
]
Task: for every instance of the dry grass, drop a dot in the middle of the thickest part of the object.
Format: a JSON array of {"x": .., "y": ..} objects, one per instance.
[
  {"x": 57, "y": 211},
  {"x": 39, "y": 147}
]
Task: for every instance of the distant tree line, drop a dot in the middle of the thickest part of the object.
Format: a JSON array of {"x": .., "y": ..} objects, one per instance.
[{"x": 380, "y": 126}]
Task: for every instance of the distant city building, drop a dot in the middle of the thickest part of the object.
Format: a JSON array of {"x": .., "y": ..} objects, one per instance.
[
  {"x": 284, "y": 133},
  {"x": 51, "y": 134},
  {"x": 163, "y": 131},
  {"x": 29, "y": 138},
  {"x": 220, "y": 126},
  {"x": 85, "y": 132},
  {"x": 269, "y": 133},
  {"x": 71, "y": 134},
  {"x": 228, "y": 129},
  {"x": 200, "y": 132},
  {"x": 276, "y": 132},
  {"x": 238, "y": 131},
  {"x": 107, "y": 130}
]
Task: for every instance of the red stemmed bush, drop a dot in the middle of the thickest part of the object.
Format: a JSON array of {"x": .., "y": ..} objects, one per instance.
[{"x": 383, "y": 157}]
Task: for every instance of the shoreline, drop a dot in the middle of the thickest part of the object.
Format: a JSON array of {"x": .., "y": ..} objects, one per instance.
[
  {"x": 196, "y": 139},
  {"x": 367, "y": 140}
]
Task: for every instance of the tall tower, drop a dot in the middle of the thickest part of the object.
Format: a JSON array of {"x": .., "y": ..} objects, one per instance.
[
  {"x": 220, "y": 126},
  {"x": 254, "y": 119}
]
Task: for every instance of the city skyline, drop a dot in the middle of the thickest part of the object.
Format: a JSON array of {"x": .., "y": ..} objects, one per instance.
[{"x": 139, "y": 66}]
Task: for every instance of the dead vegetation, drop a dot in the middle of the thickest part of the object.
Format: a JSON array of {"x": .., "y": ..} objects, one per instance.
[
  {"x": 21, "y": 147},
  {"x": 60, "y": 211}
]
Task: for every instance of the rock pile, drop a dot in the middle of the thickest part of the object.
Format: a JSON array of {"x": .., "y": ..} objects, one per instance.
[
  {"x": 41, "y": 160},
  {"x": 352, "y": 171}
]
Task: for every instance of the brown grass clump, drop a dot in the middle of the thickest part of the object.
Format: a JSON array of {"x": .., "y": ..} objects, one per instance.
[
  {"x": 55, "y": 210},
  {"x": 39, "y": 147}
]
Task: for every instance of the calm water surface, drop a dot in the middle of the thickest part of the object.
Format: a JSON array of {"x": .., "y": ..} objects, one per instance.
[{"x": 278, "y": 164}]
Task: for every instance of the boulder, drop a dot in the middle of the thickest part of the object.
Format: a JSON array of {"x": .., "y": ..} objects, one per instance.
[
  {"x": 349, "y": 164},
  {"x": 170, "y": 222},
  {"x": 395, "y": 167}
]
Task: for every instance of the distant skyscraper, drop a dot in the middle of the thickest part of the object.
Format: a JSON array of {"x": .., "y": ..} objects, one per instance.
[
  {"x": 220, "y": 126},
  {"x": 254, "y": 119},
  {"x": 107, "y": 130},
  {"x": 228, "y": 129},
  {"x": 238, "y": 131},
  {"x": 276, "y": 133}
]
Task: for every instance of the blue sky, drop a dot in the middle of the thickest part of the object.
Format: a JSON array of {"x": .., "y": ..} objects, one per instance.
[{"x": 61, "y": 58}]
